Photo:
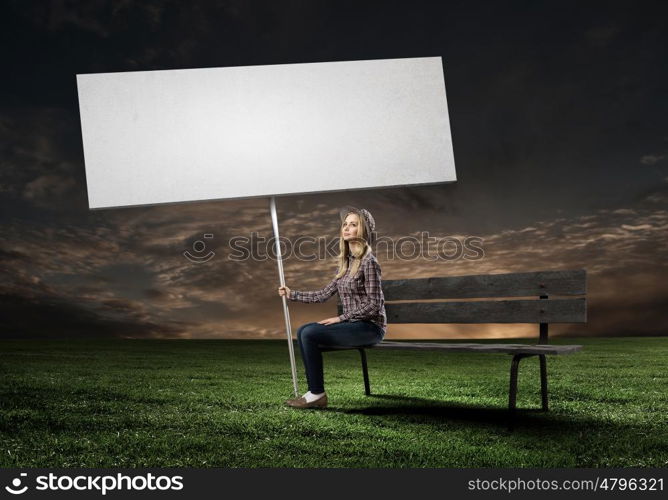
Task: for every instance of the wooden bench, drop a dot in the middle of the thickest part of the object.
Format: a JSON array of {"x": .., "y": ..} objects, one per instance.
[{"x": 543, "y": 310}]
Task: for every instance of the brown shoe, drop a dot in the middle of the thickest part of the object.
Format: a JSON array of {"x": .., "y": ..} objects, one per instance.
[{"x": 301, "y": 402}]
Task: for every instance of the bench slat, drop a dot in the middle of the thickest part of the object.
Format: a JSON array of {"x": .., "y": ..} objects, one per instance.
[
  {"x": 498, "y": 311},
  {"x": 570, "y": 282},
  {"x": 470, "y": 347}
]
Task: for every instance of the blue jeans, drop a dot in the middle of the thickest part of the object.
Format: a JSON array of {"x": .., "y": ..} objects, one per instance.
[{"x": 348, "y": 333}]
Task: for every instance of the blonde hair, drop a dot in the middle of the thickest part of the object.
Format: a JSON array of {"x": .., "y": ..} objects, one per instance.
[{"x": 346, "y": 250}]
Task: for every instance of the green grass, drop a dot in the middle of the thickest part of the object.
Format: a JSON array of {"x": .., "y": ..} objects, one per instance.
[{"x": 208, "y": 403}]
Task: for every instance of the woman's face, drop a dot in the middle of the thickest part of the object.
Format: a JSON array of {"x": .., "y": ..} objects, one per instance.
[{"x": 351, "y": 227}]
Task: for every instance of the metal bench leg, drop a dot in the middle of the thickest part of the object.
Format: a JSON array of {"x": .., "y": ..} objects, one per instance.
[
  {"x": 543, "y": 380},
  {"x": 512, "y": 395},
  {"x": 365, "y": 372}
]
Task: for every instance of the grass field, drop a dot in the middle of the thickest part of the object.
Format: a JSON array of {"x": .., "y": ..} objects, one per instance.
[{"x": 209, "y": 403}]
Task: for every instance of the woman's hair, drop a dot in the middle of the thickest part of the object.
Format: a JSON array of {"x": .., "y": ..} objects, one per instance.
[{"x": 345, "y": 250}]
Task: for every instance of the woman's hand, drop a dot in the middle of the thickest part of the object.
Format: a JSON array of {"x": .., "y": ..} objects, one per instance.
[
  {"x": 284, "y": 290},
  {"x": 330, "y": 321}
]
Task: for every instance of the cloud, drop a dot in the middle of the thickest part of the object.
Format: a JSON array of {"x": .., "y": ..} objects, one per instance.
[
  {"x": 602, "y": 35},
  {"x": 126, "y": 272},
  {"x": 41, "y": 318},
  {"x": 124, "y": 269},
  {"x": 652, "y": 159},
  {"x": 139, "y": 253},
  {"x": 46, "y": 188},
  {"x": 40, "y": 161}
]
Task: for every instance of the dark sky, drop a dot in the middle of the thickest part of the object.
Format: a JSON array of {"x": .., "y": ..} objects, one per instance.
[{"x": 558, "y": 115}]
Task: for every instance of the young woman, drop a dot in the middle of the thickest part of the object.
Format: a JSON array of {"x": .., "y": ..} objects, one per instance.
[{"x": 358, "y": 283}]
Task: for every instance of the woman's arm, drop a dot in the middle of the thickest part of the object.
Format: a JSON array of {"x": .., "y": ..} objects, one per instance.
[
  {"x": 315, "y": 296},
  {"x": 372, "y": 285}
]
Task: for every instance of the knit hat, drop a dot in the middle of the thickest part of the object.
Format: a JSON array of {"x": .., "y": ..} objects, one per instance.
[{"x": 366, "y": 218}]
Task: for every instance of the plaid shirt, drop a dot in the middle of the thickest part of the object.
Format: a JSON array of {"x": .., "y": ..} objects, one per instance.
[{"x": 361, "y": 296}]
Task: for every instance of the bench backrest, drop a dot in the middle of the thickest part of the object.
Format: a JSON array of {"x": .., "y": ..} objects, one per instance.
[{"x": 544, "y": 309}]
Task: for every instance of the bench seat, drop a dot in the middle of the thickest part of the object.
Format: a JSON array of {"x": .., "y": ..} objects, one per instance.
[{"x": 462, "y": 347}]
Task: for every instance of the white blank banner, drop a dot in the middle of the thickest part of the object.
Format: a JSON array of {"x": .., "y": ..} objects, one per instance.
[{"x": 172, "y": 136}]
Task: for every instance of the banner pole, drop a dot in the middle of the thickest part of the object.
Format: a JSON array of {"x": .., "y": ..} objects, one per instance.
[{"x": 286, "y": 312}]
